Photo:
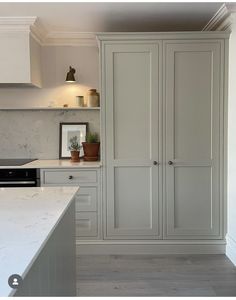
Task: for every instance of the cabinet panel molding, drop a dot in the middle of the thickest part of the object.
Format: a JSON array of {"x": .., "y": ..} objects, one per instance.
[
  {"x": 172, "y": 89},
  {"x": 193, "y": 138},
  {"x": 86, "y": 199},
  {"x": 86, "y": 224},
  {"x": 132, "y": 90},
  {"x": 68, "y": 177}
]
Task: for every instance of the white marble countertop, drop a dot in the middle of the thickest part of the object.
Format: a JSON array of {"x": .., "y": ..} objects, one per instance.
[
  {"x": 28, "y": 216},
  {"x": 55, "y": 163}
]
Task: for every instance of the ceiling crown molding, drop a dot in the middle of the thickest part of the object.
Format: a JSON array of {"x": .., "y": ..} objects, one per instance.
[
  {"x": 222, "y": 19},
  {"x": 38, "y": 31},
  {"x": 34, "y": 27},
  {"x": 219, "y": 17},
  {"x": 62, "y": 38}
]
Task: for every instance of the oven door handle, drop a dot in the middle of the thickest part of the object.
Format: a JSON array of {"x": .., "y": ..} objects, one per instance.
[{"x": 17, "y": 182}]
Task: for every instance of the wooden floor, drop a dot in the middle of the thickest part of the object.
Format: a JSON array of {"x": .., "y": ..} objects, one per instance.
[{"x": 163, "y": 275}]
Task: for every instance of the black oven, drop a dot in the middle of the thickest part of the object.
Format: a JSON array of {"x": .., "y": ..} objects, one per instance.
[{"x": 19, "y": 177}]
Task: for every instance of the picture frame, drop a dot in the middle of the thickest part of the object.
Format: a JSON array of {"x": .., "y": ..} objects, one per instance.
[{"x": 67, "y": 131}]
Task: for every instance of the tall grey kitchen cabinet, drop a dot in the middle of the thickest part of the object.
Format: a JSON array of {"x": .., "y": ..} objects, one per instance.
[{"x": 163, "y": 113}]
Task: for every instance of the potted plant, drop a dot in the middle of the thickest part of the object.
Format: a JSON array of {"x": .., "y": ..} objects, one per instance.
[
  {"x": 74, "y": 149},
  {"x": 91, "y": 147}
]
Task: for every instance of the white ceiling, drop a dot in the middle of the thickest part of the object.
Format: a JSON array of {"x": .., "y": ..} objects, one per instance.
[{"x": 99, "y": 17}]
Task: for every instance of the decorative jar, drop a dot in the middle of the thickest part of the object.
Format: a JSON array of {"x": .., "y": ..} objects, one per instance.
[
  {"x": 80, "y": 101},
  {"x": 92, "y": 98}
]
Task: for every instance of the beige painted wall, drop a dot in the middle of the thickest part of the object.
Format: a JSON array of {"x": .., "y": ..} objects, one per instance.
[
  {"x": 36, "y": 133},
  {"x": 55, "y": 65},
  {"x": 231, "y": 236}
]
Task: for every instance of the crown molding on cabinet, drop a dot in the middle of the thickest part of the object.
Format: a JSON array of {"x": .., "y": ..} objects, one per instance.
[
  {"x": 17, "y": 21},
  {"x": 222, "y": 19},
  {"x": 30, "y": 25},
  {"x": 129, "y": 36}
]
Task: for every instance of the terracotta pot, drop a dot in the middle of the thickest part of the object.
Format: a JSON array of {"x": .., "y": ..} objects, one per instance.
[
  {"x": 91, "y": 151},
  {"x": 75, "y": 156}
]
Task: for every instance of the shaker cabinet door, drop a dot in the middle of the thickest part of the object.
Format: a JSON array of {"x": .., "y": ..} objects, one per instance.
[
  {"x": 132, "y": 87},
  {"x": 193, "y": 130}
]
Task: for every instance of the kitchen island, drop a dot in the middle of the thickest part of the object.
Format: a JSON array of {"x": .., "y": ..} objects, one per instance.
[{"x": 37, "y": 240}]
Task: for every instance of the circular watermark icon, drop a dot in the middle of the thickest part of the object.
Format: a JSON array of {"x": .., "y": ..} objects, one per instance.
[{"x": 15, "y": 281}]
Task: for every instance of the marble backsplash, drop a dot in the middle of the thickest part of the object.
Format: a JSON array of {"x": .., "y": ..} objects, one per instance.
[{"x": 35, "y": 134}]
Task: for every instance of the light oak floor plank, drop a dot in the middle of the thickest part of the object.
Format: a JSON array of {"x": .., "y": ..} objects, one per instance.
[{"x": 162, "y": 275}]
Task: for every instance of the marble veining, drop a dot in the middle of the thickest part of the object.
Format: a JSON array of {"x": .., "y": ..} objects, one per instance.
[
  {"x": 27, "y": 218},
  {"x": 35, "y": 134}
]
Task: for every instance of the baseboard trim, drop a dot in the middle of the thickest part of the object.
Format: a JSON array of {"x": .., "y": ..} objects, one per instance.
[
  {"x": 231, "y": 249},
  {"x": 114, "y": 248}
]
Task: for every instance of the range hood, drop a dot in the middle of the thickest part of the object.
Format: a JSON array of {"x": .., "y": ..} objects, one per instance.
[{"x": 20, "y": 53}]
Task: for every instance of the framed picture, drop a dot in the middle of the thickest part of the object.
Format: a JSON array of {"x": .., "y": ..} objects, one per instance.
[{"x": 67, "y": 131}]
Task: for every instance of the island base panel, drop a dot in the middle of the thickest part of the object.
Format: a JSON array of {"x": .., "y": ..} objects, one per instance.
[{"x": 54, "y": 271}]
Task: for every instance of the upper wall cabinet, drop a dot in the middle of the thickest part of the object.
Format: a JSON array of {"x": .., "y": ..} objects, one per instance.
[{"x": 20, "y": 56}]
